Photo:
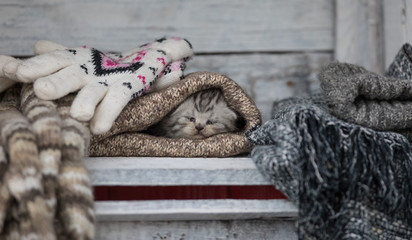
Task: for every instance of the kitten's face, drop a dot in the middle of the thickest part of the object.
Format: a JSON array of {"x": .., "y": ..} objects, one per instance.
[{"x": 202, "y": 115}]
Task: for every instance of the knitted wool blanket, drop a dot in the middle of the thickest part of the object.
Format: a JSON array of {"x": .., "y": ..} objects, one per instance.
[
  {"x": 348, "y": 181},
  {"x": 380, "y": 102},
  {"x": 45, "y": 191},
  {"x": 128, "y": 138}
]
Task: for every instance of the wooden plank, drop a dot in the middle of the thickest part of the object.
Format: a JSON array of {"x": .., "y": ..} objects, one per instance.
[
  {"x": 267, "y": 77},
  {"x": 199, "y": 230},
  {"x": 151, "y": 171},
  {"x": 190, "y": 210},
  {"x": 398, "y": 27},
  {"x": 211, "y": 26},
  {"x": 359, "y": 33}
]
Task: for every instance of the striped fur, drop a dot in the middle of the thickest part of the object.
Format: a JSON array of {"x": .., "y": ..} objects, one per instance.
[{"x": 201, "y": 115}]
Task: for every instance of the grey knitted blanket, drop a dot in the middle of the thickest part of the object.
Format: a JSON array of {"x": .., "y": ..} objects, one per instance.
[
  {"x": 380, "y": 102},
  {"x": 348, "y": 181}
]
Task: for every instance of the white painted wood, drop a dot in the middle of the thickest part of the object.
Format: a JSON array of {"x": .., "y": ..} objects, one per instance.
[
  {"x": 398, "y": 27},
  {"x": 359, "y": 33},
  {"x": 185, "y": 210},
  {"x": 198, "y": 230},
  {"x": 211, "y": 26},
  {"x": 267, "y": 77},
  {"x": 153, "y": 171}
]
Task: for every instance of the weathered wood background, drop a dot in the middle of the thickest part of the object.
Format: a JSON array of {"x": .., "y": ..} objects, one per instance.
[{"x": 272, "y": 48}]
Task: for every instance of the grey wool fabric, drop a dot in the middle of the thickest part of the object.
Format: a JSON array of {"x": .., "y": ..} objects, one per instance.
[
  {"x": 358, "y": 96},
  {"x": 401, "y": 67},
  {"x": 348, "y": 181},
  {"x": 380, "y": 102}
]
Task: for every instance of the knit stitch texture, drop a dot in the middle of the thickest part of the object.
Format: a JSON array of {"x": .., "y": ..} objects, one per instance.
[
  {"x": 401, "y": 67},
  {"x": 348, "y": 181},
  {"x": 45, "y": 191},
  {"x": 358, "y": 96},
  {"x": 128, "y": 138}
]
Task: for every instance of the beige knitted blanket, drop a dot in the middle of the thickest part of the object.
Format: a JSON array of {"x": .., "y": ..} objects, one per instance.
[{"x": 127, "y": 137}]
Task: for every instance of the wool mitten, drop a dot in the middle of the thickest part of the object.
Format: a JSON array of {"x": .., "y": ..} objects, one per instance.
[
  {"x": 8, "y": 64},
  {"x": 7, "y": 79},
  {"x": 101, "y": 77},
  {"x": 172, "y": 73}
]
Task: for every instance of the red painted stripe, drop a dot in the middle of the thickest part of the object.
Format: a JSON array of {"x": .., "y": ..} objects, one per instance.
[{"x": 128, "y": 193}]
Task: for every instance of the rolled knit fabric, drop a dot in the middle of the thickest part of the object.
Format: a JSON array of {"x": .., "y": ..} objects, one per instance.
[
  {"x": 128, "y": 138},
  {"x": 348, "y": 181},
  {"x": 358, "y": 96}
]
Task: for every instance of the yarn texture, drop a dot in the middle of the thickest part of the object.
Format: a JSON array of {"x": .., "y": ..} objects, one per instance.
[
  {"x": 348, "y": 181},
  {"x": 127, "y": 137},
  {"x": 383, "y": 103},
  {"x": 401, "y": 67},
  {"x": 45, "y": 191}
]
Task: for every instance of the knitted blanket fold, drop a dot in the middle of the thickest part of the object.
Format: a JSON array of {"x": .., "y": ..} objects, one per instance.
[
  {"x": 348, "y": 181},
  {"x": 401, "y": 67},
  {"x": 44, "y": 189},
  {"x": 127, "y": 136},
  {"x": 380, "y": 102}
]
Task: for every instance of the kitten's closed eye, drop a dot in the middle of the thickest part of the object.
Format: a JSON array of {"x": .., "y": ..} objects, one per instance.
[{"x": 202, "y": 115}]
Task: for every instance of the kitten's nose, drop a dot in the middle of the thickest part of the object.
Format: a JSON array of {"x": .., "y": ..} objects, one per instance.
[{"x": 199, "y": 127}]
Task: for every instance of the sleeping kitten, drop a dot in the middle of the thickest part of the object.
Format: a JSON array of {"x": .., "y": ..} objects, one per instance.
[{"x": 202, "y": 115}]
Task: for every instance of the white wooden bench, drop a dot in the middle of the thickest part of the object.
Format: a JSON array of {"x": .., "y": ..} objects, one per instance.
[
  {"x": 187, "y": 219},
  {"x": 273, "y": 49}
]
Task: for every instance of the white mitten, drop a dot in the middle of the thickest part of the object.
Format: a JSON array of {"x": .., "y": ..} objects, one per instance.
[
  {"x": 171, "y": 74},
  {"x": 101, "y": 77},
  {"x": 8, "y": 79},
  {"x": 8, "y": 65}
]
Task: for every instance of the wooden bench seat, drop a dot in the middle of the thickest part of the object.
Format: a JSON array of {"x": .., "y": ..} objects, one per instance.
[{"x": 171, "y": 218}]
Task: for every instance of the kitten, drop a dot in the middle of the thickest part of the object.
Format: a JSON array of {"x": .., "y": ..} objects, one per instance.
[{"x": 202, "y": 115}]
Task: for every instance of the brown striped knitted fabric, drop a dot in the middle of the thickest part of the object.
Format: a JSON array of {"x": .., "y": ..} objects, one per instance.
[
  {"x": 44, "y": 188},
  {"x": 127, "y": 139}
]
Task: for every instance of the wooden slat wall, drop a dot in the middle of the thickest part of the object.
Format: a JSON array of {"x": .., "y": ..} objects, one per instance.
[
  {"x": 212, "y": 26},
  {"x": 273, "y": 49},
  {"x": 398, "y": 27},
  {"x": 359, "y": 30},
  {"x": 370, "y": 32}
]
